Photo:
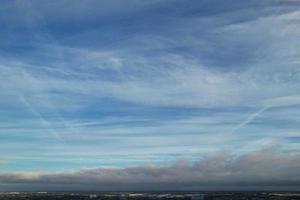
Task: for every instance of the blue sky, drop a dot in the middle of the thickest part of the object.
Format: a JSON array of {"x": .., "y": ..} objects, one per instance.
[{"x": 116, "y": 84}]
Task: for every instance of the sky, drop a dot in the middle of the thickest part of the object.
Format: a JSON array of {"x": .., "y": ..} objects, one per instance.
[{"x": 149, "y": 95}]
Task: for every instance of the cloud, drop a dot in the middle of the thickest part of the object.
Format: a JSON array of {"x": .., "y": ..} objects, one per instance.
[
  {"x": 283, "y": 101},
  {"x": 268, "y": 167},
  {"x": 225, "y": 62}
]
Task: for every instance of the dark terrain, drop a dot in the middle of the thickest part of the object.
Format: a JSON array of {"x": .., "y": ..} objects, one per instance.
[{"x": 150, "y": 196}]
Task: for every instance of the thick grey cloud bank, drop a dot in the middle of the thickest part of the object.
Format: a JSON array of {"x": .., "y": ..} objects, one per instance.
[{"x": 264, "y": 169}]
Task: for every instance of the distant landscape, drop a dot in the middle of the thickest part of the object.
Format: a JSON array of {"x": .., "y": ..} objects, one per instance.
[{"x": 153, "y": 196}]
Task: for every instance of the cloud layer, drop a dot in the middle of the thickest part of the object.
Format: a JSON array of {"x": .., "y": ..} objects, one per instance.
[{"x": 265, "y": 169}]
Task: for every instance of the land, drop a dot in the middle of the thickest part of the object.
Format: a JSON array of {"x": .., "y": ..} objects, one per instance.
[{"x": 150, "y": 196}]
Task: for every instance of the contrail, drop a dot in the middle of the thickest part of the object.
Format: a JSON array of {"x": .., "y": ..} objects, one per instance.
[
  {"x": 40, "y": 117},
  {"x": 43, "y": 36},
  {"x": 250, "y": 118},
  {"x": 280, "y": 101}
]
